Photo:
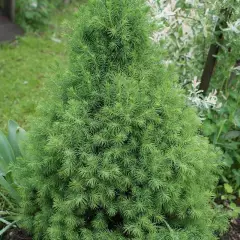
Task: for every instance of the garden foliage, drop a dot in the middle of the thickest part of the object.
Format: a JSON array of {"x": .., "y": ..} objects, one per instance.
[
  {"x": 34, "y": 14},
  {"x": 114, "y": 153},
  {"x": 10, "y": 151},
  {"x": 188, "y": 30}
]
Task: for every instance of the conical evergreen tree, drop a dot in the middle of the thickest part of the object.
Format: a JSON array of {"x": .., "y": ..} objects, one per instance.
[{"x": 114, "y": 153}]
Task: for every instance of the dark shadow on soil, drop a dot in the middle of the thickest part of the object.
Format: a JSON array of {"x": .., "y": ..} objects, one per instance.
[
  {"x": 17, "y": 234},
  {"x": 234, "y": 231}
]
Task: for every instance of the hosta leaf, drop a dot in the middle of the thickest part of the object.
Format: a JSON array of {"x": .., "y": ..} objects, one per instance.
[
  {"x": 232, "y": 135},
  {"x": 11, "y": 191},
  {"x": 3, "y": 166},
  {"x": 21, "y": 138},
  {"x": 228, "y": 188},
  {"x": 7, "y": 228},
  {"x": 6, "y": 153},
  {"x": 208, "y": 128},
  {"x": 16, "y": 136}
]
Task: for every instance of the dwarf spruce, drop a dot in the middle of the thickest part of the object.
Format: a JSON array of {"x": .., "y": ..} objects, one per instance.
[{"x": 114, "y": 152}]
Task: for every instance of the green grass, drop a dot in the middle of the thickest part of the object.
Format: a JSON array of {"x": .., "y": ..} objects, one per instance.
[{"x": 26, "y": 64}]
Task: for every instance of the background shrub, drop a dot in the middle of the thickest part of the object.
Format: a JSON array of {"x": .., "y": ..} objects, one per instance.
[
  {"x": 10, "y": 151},
  {"x": 201, "y": 39},
  {"x": 34, "y": 14}
]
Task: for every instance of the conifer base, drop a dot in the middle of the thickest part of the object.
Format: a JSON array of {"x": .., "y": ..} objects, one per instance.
[
  {"x": 17, "y": 234},
  {"x": 234, "y": 231}
]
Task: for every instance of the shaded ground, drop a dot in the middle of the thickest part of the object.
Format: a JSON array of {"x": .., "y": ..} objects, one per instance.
[
  {"x": 16, "y": 234},
  {"x": 234, "y": 231},
  {"x": 8, "y": 30}
]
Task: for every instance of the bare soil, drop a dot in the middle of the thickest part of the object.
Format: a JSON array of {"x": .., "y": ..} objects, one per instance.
[
  {"x": 17, "y": 234},
  {"x": 234, "y": 231}
]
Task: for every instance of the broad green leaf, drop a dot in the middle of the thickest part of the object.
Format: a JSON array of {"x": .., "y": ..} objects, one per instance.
[
  {"x": 235, "y": 210},
  {"x": 7, "y": 227},
  {"x": 228, "y": 160},
  {"x": 6, "y": 153},
  {"x": 236, "y": 174},
  {"x": 11, "y": 191},
  {"x": 237, "y": 118},
  {"x": 12, "y": 137},
  {"x": 208, "y": 128},
  {"x": 3, "y": 166},
  {"x": 232, "y": 135},
  {"x": 9, "y": 177},
  {"x": 223, "y": 197},
  {"x": 231, "y": 146},
  {"x": 15, "y": 136},
  {"x": 21, "y": 138},
  {"x": 228, "y": 188},
  {"x": 4, "y": 221}
]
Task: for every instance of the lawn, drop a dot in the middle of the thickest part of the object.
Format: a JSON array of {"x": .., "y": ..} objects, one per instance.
[{"x": 27, "y": 63}]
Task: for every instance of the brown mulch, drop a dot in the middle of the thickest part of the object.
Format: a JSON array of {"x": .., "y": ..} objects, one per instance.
[
  {"x": 234, "y": 231},
  {"x": 17, "y": 234}
]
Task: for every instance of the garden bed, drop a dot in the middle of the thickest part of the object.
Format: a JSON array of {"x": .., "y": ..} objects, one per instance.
[{"x": 17, "y": 234}]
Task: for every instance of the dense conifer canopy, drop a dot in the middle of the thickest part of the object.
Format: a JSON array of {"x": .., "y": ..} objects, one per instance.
[{"x": 114, "y": 152}]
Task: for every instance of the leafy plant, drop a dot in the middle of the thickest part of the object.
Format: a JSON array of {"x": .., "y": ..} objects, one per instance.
[
  {"x": 33, "y": 14},
  {"x": 114, "y": 152},
  {"x": 10, "y": 150},
  {"x": 223, "y": 129},
  {"x": 201, "y": 40}
]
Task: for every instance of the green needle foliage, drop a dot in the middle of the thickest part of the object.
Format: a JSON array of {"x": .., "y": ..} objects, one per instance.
[{"x": 114, "y": 152}]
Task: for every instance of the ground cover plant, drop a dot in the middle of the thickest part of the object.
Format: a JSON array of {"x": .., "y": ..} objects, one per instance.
[
  {"x": 114, "y": 152},
  {"x": 10, "y": 151}
]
